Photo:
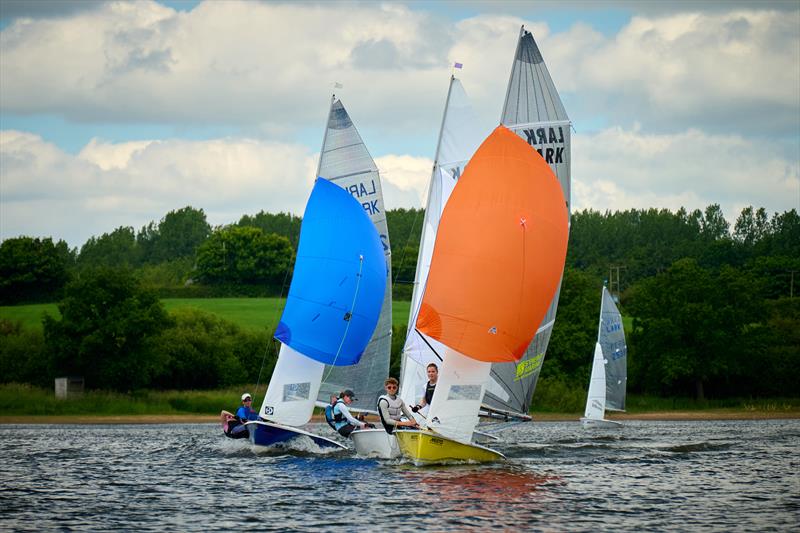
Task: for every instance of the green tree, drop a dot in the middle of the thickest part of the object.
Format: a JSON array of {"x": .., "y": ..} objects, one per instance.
[
  {"x": 33, "y": 269},
  {"x": 690, "y": 326},
  {"x": 115, "y": 249},
  {"x": 284, "y": 224},
  {"x": 569, "y": 355},
  {"x": 178, "y": 235},
  {"x": 203, "y": 351},
  {"x": 244, "y": 255},
  {"x": 106, "y": 331}
]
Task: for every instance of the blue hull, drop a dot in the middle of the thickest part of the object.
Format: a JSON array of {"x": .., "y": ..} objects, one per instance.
[{"x": 267, "y": 434}]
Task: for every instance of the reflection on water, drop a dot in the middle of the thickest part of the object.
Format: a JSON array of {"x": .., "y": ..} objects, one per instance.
[{"x": 680, "y": 476}]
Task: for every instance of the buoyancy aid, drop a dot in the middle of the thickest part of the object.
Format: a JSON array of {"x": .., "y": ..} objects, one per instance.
[
  {"x": 329, "y": 416},
  {"x": 395, "y": 408},
  {"x": 339, "y": 420},
  {"x": 429, "y": 389}
]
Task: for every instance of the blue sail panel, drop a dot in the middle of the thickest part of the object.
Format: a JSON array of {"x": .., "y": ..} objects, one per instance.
[{"x": 339, "y": 280}]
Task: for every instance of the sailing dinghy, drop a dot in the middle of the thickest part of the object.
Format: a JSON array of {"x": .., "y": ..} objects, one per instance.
[
  {"x": 533, "y": 110},
  {"x": 497, "y": 262},
  {"x": 458, "y": 139},
  {"x": 330, "y": 314},
  {"x": 609, "y": 368},
  {"x": 345, "y": 160}
]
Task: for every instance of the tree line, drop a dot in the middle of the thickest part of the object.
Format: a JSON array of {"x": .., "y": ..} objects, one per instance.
[{"x": 712, "y": 305}]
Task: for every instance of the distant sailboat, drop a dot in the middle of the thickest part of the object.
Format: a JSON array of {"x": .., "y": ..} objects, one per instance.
[
  {"x": 609, "y": 368},
  {"x": 533, "y": 110},
  {"x": 459, "y": 137},
  {"x": 330, "y": 314},
  {"x": 345, "y": 160},
  {"x": 497, "y": 262}
]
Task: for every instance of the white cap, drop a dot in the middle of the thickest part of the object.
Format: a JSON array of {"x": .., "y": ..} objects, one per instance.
[{"x": 246, "y": 395}]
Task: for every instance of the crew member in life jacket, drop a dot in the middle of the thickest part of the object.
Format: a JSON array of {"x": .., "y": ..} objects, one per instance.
[
  {"x": 235, "y": 424},
  {"x": 392, "y": 408},
  {"x": 343, "y": 421},
  {"x": 433, "y": 377}
]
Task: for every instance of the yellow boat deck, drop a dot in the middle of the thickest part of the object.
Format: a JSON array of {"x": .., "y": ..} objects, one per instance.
[{"x": 427, "y": 447}]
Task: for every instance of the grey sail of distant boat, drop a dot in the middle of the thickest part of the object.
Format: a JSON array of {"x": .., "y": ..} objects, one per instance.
[
  {"x": 533, "y": 110},
  {"x": 609, "y": 377},
  {"x": 611, "y": 337},
  {"x": 345, "y": 160}
]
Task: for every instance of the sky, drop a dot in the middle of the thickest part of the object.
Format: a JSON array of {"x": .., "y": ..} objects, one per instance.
[{"x": 115, "y": 113}]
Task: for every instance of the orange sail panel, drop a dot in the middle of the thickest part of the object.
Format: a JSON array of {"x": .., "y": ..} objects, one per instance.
[{"x": 499, "y": 253}]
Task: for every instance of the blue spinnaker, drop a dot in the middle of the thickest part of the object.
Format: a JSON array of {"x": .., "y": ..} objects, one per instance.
[{"x": 339, "y": 280}]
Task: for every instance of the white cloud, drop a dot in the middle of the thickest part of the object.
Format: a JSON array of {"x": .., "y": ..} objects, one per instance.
[
  {"x": 732, "y": 71},
  {"x": 405, "y": 180},
  {"x": 623, "y": 169},
  {"x": 696, "y": 108},
  {"x": 47, "y": 192}
]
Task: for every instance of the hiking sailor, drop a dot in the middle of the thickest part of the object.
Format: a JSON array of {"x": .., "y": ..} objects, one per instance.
[{"x": 392, "y": 408}]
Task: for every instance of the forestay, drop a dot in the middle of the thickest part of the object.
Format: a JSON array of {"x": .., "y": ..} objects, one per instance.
[
  {"x": 345, "y": 160},
  {"x": 533, "y": 110}
]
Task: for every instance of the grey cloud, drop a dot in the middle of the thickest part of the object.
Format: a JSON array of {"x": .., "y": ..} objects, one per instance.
[{"x": 12, "y": 9}]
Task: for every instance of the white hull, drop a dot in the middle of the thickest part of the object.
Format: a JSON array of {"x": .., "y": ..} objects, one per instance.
[
  {"x": 600, "y": 423},
  {"x": 375, "y": 443}
]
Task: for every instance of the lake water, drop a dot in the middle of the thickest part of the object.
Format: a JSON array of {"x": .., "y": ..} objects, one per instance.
[{"x": 649, "y": 476}]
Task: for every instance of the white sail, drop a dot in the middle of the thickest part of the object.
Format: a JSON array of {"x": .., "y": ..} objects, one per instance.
[
  {"x": 533, "y": 110},
  {"x": 596, "y": 398},
  {"x": 293, "y": 389},
  {"x": 345, "y": 160},
  {"x": 459, "y": 137},
  {"x": 459, "y": 392}
]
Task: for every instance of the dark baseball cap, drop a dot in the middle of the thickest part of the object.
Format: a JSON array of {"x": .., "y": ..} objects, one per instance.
[{"x": 348, "y": 392}]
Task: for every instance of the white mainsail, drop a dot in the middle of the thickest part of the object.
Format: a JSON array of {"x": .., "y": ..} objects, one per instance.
[
  {"x": 533, "y": 110},
  {"x": 596, "y": 398},
  {"x": 459, "y": 137},
  {"x": 345, "y": 160}
]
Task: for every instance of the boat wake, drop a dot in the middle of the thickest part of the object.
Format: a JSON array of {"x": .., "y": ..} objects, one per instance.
[{"x": 300, "y": 446}]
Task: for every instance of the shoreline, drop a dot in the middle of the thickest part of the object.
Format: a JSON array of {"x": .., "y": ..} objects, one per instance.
[{"x": 714, "y": 414}]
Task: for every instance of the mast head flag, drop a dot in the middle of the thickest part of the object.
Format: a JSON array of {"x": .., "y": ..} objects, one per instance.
[
  {"x": 339, "y": 280},
  {"x": 499, "y": 253}
]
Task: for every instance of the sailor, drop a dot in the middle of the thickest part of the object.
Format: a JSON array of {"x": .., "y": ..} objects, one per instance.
[
  {"x": 236, "y": 428},
  {"x": 245, "y": 413},
  {"x": 344, "y": 422},
  {"x": 433, "y": 377},
  {"x": 392, "y": 408}
]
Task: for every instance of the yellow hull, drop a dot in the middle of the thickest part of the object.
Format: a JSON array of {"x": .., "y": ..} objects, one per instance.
[{"x": 426, "y": 447}]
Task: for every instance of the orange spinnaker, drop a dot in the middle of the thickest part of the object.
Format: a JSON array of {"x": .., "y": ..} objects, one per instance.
[{"x": 499, "y": 253}]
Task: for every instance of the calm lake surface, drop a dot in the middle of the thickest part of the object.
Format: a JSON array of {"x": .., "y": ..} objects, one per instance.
[{"x": 649, "y": 476}]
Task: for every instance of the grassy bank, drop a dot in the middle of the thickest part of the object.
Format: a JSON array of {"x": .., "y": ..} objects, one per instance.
[
  {"x": 28, "y": 401},
  {"x": 255, "y": 313}
]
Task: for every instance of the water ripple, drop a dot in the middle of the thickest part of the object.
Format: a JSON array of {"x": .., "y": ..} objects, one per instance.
[{"x": 648, "y": 476}]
